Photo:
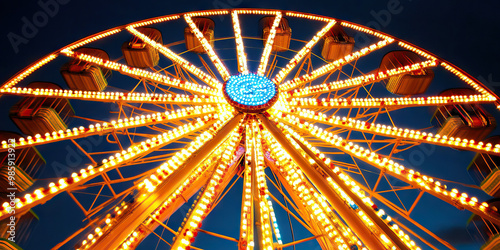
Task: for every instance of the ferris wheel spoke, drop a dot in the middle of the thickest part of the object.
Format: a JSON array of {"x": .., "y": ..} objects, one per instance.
[
  {"x": 183, "y": 63},
  {"x": 399, "y": 102},
  {"x": 357, "y": 81},
  {"x": 240, "y": 49},
  {"x": 113, "y": 126},
  {"x": 281, "y": 75},
  {"x": 262, "y": 208},
  {"x": 331, "y": 67},
  {"x": 152, "y": 186},
  {"x": 294, "y": 115},
  {"x": 269, "y": 45},
  {"x": 98, "y": 96},
  {"x": 247, "y": 204},
  {"x": 208, "y": 48},
  {"x": 42, "y": 195},
  {"x": 142, "y": 73},
  {"x": 409, "y": 176}
]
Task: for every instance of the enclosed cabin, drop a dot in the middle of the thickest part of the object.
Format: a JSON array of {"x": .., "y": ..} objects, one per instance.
[
  {"x": 283, "y": 33},
  {"x": 411, "y": 83},
  {"x": 337, "y": 44},
  {"x": 206, "y": 27},
  {"x": 484, "y": 169},
  {"x": 139, "y": 54},
  {"x": 484, "y": 231},
  {"x": 82, "y": 75},
  {"x": 468, "y": 121},
  {"x": 40, "y": 115},
  {"x": 26, "y": 165}
]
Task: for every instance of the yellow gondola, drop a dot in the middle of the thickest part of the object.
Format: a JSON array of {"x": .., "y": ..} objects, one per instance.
[
  {"x": 337, "y": 44},
  {"x": 283, "y": 33},
  {"x": 82, "y": 75},
  {"x": 412, "y": 83}
]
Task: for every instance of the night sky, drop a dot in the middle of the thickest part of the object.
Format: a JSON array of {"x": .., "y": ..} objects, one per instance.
[{"x": 464, "y": 33}]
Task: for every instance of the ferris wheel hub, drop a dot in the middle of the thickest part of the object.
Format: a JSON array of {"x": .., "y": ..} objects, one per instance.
[{"x": 250, "y": 93}]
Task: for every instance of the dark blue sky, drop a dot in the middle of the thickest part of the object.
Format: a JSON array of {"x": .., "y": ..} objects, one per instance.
[{"x": 462, "y": 32}]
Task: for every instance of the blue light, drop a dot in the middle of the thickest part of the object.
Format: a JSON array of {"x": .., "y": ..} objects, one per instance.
[{"x": 250, "y": 89}]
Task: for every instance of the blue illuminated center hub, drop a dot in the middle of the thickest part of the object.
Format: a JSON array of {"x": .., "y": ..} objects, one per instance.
[{"x": 250, "y": 92}]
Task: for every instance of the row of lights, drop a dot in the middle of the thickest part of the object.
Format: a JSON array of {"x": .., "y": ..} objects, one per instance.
[
  {"x": 312, "y": 17},
  {"x": 302, "y": 53},
  {"x": 413, "y": 178},
  {"x": 257, "y": 12},
  {"x": 153, "y": 21},
  {"x": 207, "y": 13},
  {"x": 402, "y": 133},
  {"x": 240, "y": 50},
  {"x": 125, "y": 69},
  {"x": 418, "y": 51},
  {"x": 262, "y": 194},
  {"x": 208, "y": 48},
  {"x": 109, "y": 220},
  {"x": 269, "y": 45},
  {"x": 126, "y": 123},
  {"x": 360, "y": 80},
  {"x": 212, "y": 82},
  {"x": 246, "y": 225},
  {"x": 368, "y": 31},
  {"x": 355, "y": 188},
  {"x": 178, "y": 159},
  {"x": 331, "y": 66},
  {"x": 316, "y": 103},
  {"x": 316, "y": 205},
  {"x": 108, "y": 164},
  {"x": 148, "y": 185},
  {"x": 89, "y": 40},
  {"x": 469, "y": 81},
  {"x": 203, "y": 206},
  {"x": 150, "y": 98}
]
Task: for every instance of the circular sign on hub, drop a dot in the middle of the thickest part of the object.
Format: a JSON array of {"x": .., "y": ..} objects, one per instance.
[{"x": 250, "y": 93}]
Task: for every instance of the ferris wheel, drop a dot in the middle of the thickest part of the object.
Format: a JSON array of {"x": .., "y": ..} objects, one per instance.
[{"x": 261, "y": 140}]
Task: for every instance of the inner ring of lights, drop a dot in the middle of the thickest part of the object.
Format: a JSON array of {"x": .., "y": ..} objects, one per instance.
[{"x": 250, "y": 92}]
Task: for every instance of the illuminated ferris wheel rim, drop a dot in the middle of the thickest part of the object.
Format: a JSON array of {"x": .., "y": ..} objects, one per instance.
[
  {"x": 288, "y": 92},
  {"x": 466, "y": 77}
]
